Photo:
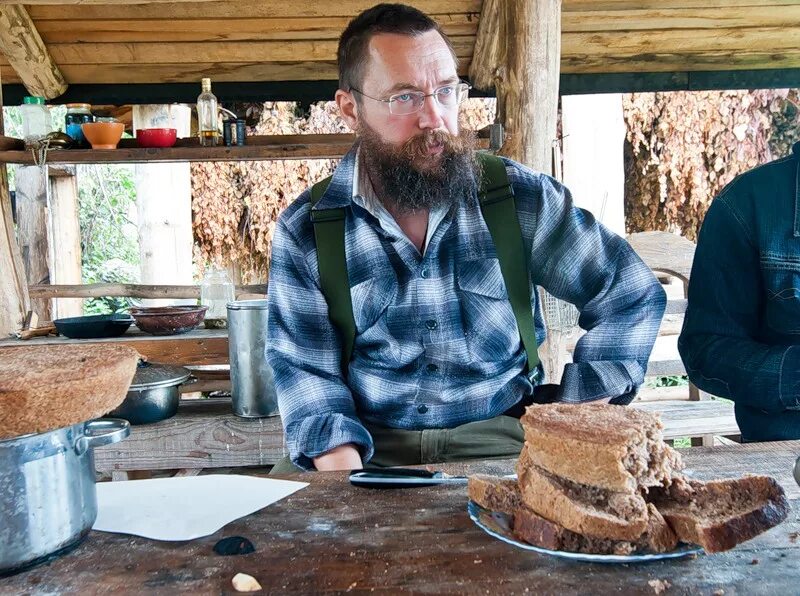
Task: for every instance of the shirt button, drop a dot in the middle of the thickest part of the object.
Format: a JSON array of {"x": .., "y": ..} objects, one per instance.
[
  {"x": 422, "y": 409},
  {"x": 424, "y": 273},
  {"x": 430, "y": 324},
  {"x": 431, "y": 368}
]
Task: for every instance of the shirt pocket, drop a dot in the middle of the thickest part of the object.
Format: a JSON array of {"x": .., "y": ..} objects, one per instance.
[
  {"x": 781, "y": 275},
  {"x": 487, "y": 318}
]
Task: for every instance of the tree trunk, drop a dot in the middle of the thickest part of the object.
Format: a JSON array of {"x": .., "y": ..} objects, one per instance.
[{"x": 164, "y": 205}]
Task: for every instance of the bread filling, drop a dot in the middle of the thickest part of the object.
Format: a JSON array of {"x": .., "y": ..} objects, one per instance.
[{"x": 652, "y": 462}]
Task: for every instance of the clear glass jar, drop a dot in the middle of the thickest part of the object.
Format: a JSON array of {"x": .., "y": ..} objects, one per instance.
[
  {"x": 216, "y": 290},
  {"x": 36, "y": 122}
]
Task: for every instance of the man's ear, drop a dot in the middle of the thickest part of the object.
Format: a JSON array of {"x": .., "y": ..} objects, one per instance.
[{"x": 348, "y": 108}]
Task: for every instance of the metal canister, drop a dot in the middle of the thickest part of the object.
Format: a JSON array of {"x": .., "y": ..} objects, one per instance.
[
  {"x": 253, "y": 387},
  {"x": 241, "y": 131},
  {"x": 227, "y": 132}
]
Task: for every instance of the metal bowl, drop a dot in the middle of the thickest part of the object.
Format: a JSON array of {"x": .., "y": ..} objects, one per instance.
[
  {"x": 168, "y": 320},
  {"x": 154, "y": 393}
]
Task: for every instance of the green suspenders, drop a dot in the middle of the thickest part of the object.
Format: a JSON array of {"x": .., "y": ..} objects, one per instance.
[{"x": 499, "y": 211}]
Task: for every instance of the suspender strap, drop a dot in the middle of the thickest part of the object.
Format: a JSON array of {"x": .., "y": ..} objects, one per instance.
[
  {"x": 332, "y": 263},
  {"x": 499, "y": 211}
]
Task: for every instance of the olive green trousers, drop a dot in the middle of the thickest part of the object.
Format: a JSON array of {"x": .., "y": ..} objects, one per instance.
[{"x": 499, "y": 437}]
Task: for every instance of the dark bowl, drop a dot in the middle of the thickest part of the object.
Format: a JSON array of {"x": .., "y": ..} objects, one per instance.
[
  {"x": 168, "y": 320},
  {"x": 94, "y": 326}
]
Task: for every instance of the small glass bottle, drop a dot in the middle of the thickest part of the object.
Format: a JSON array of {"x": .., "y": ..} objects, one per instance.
[
  {"x": 207, "y": 113},
  {"x": 216, "y": 290},
  {"x": 36, "y": 122}
]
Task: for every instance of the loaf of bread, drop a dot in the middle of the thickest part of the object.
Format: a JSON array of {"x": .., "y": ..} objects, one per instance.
[
  {"x": 43, "y": 388},
  {"x": 611, "y": 447},
  {"x": 600, "y": 479}
]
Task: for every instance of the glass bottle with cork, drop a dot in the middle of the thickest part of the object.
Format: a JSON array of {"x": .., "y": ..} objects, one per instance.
[{"x": 207, "y": 113}]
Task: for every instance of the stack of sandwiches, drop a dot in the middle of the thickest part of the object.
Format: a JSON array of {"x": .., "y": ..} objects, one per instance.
[{"x": 600, "y": 479}]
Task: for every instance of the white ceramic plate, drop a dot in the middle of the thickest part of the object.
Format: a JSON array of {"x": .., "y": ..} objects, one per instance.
[{"x": 498, "y": 525}]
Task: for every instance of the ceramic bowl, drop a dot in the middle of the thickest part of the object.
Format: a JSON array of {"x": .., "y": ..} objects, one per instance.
[
  {"x": 168, "y": 320},
  {"x": 156, "y": 137},
  {"x": 103, "y": 135}
]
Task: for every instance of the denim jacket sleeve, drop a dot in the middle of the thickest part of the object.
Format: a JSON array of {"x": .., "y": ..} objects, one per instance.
[
  {"x": 303, "y": 349},
  {"x": 718, "y": 342}
]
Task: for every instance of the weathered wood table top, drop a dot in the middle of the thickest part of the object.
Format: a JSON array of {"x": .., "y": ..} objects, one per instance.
[
  {"x": 331, "y": 537},
  {"x": 206, "y": 434}
]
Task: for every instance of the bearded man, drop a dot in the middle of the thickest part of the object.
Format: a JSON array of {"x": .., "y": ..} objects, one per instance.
[{"x": 437, "y": 370}]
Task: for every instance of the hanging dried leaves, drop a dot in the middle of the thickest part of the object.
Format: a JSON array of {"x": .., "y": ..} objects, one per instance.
[
  {"x": 684, "y": 147},
  {"x": 235, "y": 205}
]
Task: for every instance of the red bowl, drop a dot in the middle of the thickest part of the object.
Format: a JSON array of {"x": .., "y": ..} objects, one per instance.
[{"x": 156, "y": 137}]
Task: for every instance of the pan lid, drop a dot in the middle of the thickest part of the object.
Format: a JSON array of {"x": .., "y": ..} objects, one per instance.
[{"x": 150, "y": 375}]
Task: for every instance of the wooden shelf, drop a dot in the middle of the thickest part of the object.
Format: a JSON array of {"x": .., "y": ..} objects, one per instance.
[
  {"x": 196, "y": 347},
  {"x": 324, "y": 146}
]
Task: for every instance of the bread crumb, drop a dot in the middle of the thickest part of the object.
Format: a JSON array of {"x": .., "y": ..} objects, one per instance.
[
  {"x": 659, "y": 585},
  {"x": 351, "y": 586},
  {"x": 754, "y": 562},
  {"x": 718, "y": 592},
  {"x": 245, "y": 583},
  {"x": 793, "y": 536}
]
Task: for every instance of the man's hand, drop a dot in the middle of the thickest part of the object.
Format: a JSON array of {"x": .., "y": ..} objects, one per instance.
[{"x": 343, "y": 457}]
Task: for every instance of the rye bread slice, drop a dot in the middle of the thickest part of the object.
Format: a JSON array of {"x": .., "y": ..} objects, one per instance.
[
  {"x": 43, "y": 388},
  {"x": 616, "y": 448},
  {"x": 494, "y": 493},
  {"x": 502, "y": 495},
  {"x": 720, "y": 514},
  {"x": 586, "y": 510}
]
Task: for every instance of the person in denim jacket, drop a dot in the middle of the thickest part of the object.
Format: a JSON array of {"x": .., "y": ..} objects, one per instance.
[{"x": 743, "y": 320}]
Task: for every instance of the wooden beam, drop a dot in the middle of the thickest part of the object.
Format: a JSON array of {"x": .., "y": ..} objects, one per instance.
[
  {"x": 170, "y": 9},
  {"x": 26, "y": 52},
  {"x": 130, "y": 291},
  {"x": 64, "y": 238},
  {"x": 14, "y": 301},
  {"x": 32, "y": 215}
]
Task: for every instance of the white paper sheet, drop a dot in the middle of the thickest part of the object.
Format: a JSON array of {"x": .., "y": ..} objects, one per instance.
[{"x": 184, "y": 508}]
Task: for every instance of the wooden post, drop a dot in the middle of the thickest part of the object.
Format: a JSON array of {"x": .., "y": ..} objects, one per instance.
[
  {"x": 594, "y": 133},
  {"x": 65, "y": 238},
  {"x": 14, "y": 302},
  {"x": 518, "y": 51},
  {"x": 164, "y": 205},
  {"x": 32, "y": 219}
]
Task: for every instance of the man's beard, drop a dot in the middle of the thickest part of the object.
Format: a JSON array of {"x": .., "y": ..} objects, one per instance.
[{"x": 411, "y": 178}]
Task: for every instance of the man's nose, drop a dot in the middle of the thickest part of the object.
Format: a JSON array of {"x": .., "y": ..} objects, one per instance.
[{"x": 430, "y": 116}]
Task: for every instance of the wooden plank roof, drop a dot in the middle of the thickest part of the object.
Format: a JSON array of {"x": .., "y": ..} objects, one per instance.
[{"x": 117, "y": 42}]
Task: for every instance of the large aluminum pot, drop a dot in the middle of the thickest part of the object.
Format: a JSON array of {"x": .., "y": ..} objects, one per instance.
[{"x": 48, "y": 500}]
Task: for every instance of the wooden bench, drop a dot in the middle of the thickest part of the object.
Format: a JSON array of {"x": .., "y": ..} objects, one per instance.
[{"x": 206, "y": 434}]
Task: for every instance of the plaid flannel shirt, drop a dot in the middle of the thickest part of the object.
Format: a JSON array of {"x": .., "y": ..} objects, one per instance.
[{"x": 436, "y": 342}]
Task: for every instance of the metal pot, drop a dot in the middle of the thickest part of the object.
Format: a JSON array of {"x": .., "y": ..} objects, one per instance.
[
  {"x": 48, "y": 500},
  {"x": 153, "y": 394}
]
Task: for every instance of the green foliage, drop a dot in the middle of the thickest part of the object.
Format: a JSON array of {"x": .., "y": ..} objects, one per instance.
[
  {"x": 109, "y": 237},
  {"x": 674, "y": 381},
  {"x": 682, "y": 442}
]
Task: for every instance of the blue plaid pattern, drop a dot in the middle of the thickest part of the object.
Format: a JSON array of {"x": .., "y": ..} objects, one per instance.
[{"x": 437, "y": 344}]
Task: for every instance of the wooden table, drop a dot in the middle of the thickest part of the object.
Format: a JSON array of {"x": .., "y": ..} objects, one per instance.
[
  {"x": 206, "y": 434},
  {"x": 331, "y": 537}
]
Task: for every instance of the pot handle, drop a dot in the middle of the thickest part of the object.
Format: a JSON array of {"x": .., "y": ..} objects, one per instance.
[{"x": 103, "y": 431}]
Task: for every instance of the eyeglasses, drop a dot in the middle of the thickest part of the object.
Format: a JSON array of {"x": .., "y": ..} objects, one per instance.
[{"x": 410, "y": 102}]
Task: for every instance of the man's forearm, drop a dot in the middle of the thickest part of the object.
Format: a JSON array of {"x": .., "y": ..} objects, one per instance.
[{"x": 343, "y": 457}]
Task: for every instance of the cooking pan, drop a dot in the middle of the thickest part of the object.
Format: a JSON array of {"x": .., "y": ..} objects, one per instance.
[{"x": 94, "y": 326}]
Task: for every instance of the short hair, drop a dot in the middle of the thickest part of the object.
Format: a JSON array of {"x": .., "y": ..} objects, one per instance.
[{"x": 382, "y": 18}]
